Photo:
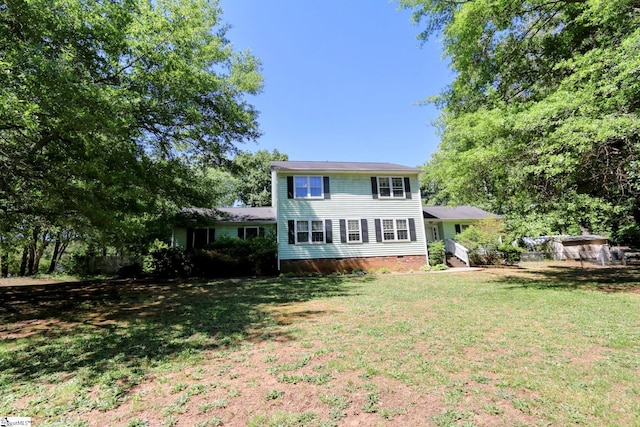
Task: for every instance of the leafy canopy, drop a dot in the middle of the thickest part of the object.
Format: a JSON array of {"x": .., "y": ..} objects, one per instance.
[
  {"x": 541, "y": 121},
  {"x": 108, "y": 107}
]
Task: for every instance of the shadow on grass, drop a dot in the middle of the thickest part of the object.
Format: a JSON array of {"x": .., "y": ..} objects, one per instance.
[
  {"x": 125, "y": 327},
  {"x": 612, "y": 279}
]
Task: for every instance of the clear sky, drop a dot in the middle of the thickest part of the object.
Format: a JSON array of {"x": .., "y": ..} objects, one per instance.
[{"x": 344, "y": 79}]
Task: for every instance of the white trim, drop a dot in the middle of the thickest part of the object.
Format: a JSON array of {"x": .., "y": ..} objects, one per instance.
[
  {"x": 346, "y": 226},
  {"x": 308, "y": 187},
  {"x": 389, "y": 180},
  {"x": 395, "y": 230},
  {"x": 310, "y": 232}
]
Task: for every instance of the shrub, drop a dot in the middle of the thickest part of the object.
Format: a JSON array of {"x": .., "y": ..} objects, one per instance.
[
  {"x": 225, "y": 257},
  {"x": 510, "y": 253},
  {"x": 436, "y": 252},
  {"x": 171, "y": 262}
]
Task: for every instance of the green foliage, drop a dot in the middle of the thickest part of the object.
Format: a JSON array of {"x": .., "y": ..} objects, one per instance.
[
  {"x": 436, "y": 252},
  {"x": 171, "y": 262},
  {"x": 253, "y": 176},
  {"x": 486, "y": 233},
  {"x": 226, "y": 257},
  {"x": 541, "y": 122},
  {"x": 108, "y": 110}
]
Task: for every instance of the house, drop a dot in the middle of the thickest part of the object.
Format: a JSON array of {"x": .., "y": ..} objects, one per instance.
[
  {"x": 194, "y": 228},
  {"x": 445, "y": 222},
  {"x": 335, "y": 216}
]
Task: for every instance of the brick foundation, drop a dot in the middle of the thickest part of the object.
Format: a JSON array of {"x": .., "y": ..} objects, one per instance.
[{"x": 330, "y": 265}]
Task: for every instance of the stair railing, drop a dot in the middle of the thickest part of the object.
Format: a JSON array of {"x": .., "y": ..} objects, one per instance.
[{"x": 456, "y": 249}]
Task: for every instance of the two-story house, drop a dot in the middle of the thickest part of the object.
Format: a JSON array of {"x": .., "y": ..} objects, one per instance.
[{"x": 335, "y": 216}]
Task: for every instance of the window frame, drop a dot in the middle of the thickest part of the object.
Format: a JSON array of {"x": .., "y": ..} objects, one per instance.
[
  {"x": 391, "y": 187},
  {"x": 308, "y": 187},
  {"x": 244, "y": 232},
  {"x": 395, "y": 230},
  {"x": 358, "y": 221},
  {"x": 310, "y": 232}
]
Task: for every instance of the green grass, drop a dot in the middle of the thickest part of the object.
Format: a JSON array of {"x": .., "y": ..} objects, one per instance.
[{"x": 557, "y": 345}]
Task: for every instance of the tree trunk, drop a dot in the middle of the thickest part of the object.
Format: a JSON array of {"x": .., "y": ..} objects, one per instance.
[
  {"x": 39, "y": 245},
  {"x": 32, "y": 259},
  {"x": 55, "y": 257},
  {"x": 4, "y": 261},
  {"x": 23, "y": 263}
]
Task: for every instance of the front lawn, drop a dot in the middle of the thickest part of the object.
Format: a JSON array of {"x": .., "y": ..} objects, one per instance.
[{"x": 545, "y": 345}]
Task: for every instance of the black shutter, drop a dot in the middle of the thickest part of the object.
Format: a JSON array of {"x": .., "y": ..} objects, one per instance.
[
  {"x": 407, "y": 188},
  {"x": 327, "y": 189},
  {"x": 292, "y": 231},
  {"x": 212, "y": 235},
  {"x": 374, "y": 187},
  {"x": 458, "y": 229},
  {"x": 189, "y": 238},
  {"x": 378, "y": 230},
  {"x": 240, "y": 232},
  {"x": 328, "y": 231},
  {"x": 261, "y": 231},
  {"x": 412, "y": 229},
  {"x": 343, "y": 231},
  {"x": 364, "y": 228},
  {"x": 290, "y": 187}
]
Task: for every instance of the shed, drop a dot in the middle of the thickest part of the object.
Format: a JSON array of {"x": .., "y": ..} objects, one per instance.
[{"x": 586, "y": 247}]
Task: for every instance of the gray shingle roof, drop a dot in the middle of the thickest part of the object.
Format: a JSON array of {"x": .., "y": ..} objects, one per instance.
[
  {"x": 342, "y": 167},
  {"x": 455, "y": 212},
  {"x": 262, "y": 214}
]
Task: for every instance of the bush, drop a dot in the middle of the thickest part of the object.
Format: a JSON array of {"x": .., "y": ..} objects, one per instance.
[
  {"x": 225, "y": 257},
  {"x": 171, "y": 262},
  {"x": 436, "y": 252},
  {"x": 510, "y": 253}
]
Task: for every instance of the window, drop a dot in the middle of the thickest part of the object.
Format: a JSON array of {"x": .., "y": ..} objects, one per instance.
[
  {"x": 461, "y": 227},
  {"x": 308, "y": 187},
  {"x": 395, "y": 230},
  {"x": 353, "y": 231},
  {"x": 246, "y": 233},
  {"x": 310, "y": 231},
  {"x": 389, "y": 187},
  {"x": 198, "y": 238}
]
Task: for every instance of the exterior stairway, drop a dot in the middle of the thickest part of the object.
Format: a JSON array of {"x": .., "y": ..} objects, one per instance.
[{"x": 454, "y": 261}]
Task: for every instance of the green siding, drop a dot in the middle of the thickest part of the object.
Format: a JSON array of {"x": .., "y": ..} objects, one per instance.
[
  {"x": 350, "y": 198},
  {"x": 180, "y": 237},
  {"x": 450, "y": 227}
]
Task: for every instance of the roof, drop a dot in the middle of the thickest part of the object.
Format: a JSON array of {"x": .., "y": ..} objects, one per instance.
[
  {"x": 582, "y": 238},
  {"x": 251, "y": 214},
  {"x": 455, "y": 212},
  {"x": 341, "y": 167}
]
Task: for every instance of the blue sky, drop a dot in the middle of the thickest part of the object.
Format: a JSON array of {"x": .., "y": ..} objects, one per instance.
[{"x": 344, "y": 79}]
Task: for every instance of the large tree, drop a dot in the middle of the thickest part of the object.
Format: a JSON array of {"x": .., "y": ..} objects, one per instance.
[
  {"x": 108, "y": 107},
  {"x": 253, "y": 176},
  {"x": 541, "y": 121}
]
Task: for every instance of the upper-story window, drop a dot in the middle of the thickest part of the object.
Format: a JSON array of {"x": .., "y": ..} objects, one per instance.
[
  {"x": 308, "y": 187},
  {"x": 390, "y": 187}
]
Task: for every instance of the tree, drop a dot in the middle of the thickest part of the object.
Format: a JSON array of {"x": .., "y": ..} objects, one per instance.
[
  {"x": 108, "y": 109},
  {"x": 253, "y": 173},
  {"x": 541, "y": 121}
]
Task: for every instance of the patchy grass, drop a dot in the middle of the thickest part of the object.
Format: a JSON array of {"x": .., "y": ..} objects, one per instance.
[{"x": 543, "y": 345}]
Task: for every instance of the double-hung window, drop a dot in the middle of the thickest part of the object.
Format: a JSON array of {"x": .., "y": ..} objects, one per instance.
[
  {"x": 354, "y": 233},
  {"x": 391, "y": 187},
  {"x": 310, "y": 231},
  {"x": 395, "y": 230},
  {"x": 308, "y": 187}
]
